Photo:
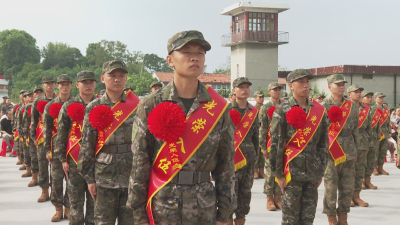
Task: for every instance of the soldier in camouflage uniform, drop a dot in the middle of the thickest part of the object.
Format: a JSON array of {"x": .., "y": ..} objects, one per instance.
[
  {"x": 38, "y": 92},
  {"x": 340, "y": 178},
  {"x": 28, "y": 98},
  {"x": 319, "y": 98},
  {"x": 21, "y": 143},
  {"x": 102, "y": 91},
  {"x": 271, "y": 188},
  {"x": 300, "y": 195},
  {"x": 366, "y": 141},
  {"x": 14, "y": 124},
  {"x": 155, "y": 85},
  {"x": 107, "y": 173},
  {"x": 260, "y": 162},
  {"x": 385, "y": 128},
  {"x": 177, "y": 203},
  {"x": 48, "y": 84},
  {"x": 77, "y": 186},
  {"x": 58, "y": 199},
  {"x": 3, "y": 103},
  {"x": 232, "y": 97},
  {"x": 373, "y": 148}
]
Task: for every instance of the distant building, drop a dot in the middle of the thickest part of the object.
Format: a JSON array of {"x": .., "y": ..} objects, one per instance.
[{"x": 3, "y": 87}]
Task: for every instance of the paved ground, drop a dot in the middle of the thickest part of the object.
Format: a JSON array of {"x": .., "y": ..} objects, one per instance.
[{"x": 18, "y": 203}]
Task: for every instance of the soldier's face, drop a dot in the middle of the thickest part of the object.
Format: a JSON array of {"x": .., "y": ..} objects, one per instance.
[
  {"x": 380, "y": 100},
  {"x": 242, "y": 91},
  {"x": 49, "y": 86},
  {"x": 260, "y": 99},
  {"x": 275, "y": 93},
  {"x": 367, "y": 99},
  {"x": 155, "y": 88},
  {"x": 8, "y": 101},
  {"x": 21, "y": 97},
  {"x": 64, "y": 87},
  {"x": 86, "y": 87},
  {"x": 188, "y": 61},
  {"x": 355, "y": 96},
  {"x": 337, "y": 88},
  {"x": 114, "y": 81},
  {"x": 301, "y": 87},
  {"x": 29, "y": 98},
  {"x": 37, "y": 94}
]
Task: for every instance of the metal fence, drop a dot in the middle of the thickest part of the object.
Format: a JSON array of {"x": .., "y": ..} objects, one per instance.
[{"x": 278, "y": 37}]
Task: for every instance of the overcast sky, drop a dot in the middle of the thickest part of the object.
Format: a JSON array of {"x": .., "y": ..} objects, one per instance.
[{"x": 322, "y": 33}]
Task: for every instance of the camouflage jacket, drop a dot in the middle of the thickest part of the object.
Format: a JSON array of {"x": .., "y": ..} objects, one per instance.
[
  {"x": 1, "y": 105},
  {"x": 26, "y": 121},
  {"x": 36, "y": 115},
  {"x": 107, "y": 170},
  {"x": 365, "y": 132},
  {"x": 14, "y": 121},
  {"x": 64, "y": 124},
  {"x": 265, "y": 122},
  {"x": 19, "y": 120},
  {"x": 376, "y": 131},
  {"x": 48, "y": 126},
  {"x": 310, "y": 164},
  {"x": 385, "y": 128},
  {"x": 349, "y": 137},
  {"x": 250, "y": 144},
  {"x": 215, "y": 155}
]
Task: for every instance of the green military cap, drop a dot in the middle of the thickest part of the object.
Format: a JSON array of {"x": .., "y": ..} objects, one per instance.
[
  {"x": 297, "y": 74},
  {"x": 318, "y": 96},
  {"x": 48, "y": 79},
  {"x": 241, "y": 80},
  {"x": 6, "y": 97},
  {"x": 365, "y": 93},
  {"x": 112, "y": 65},
  {"x": 336, "y": 78},
  {"x": 379, "y": 94},
  {"x": 85, "y": 75},
  {"x": 128, "y": 88},
  {"x": 26, "y": 93},
  {"x": 102, "y": 91},
  {"x": 37, "y": 89},
  {"x": 22, "y": 91},
  {"x": 154, "y": 83},
  {"x": 64, "y": 77},
  {"x": 231, "y": 94},
  {"x": 354, "y": 87},
  {"x": 259, "y": 94},
  {"x": 274, "y": 85},
  {"x": 180, "y": 39}
]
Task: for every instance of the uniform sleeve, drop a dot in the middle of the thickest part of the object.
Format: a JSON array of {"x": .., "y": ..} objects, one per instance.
[
  {"x": 25, "y": 123},
  {"x": 323, "y": 143},
  {"x": 255, "y": 138},
  {"x": 34, "y": 120},
  {"x": 63, "y": 126},
  {"x": 47, "y": 129},
  {"x": 86, "y": 159},
  {"x": 278, "y": 137},
  {"x": 355, "y": 133},
  {"x": 369, "y": 131},
  {"x": 263, "y": 127}
]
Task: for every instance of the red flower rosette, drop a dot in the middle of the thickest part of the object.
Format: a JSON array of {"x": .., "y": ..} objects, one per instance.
[
  {"x": 54, "y": 110},
  {"x": 236, "y": 117},
  {"x": 271, "y": 111},
  {"x": 40, "y": 106},
  {"x": 76, "y": 111},
  {"x": 335, "y": 114},
  {"x": 16, "y": 107},
  {"x": 101, "y": 117},
  {"x": 296, "y": 117},
  {"x": 167, "y": 122}
]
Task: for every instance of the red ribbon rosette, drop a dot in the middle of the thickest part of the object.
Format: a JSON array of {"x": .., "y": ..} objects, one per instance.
[
  {"x": 40, "y": 106},
  {"x": 167, "y": 122},
  {"x": 101, "y": 117},
  {"x": 16, "y": 107},
  {"x": 236, "y": 117},
  {"x": 76, "y": 111},
  {"x": 271, "y": 111},
  {"x": 335, "y": 114},
  {"x": 54, "y": 110},
  {"x": 296, "y": 117}
]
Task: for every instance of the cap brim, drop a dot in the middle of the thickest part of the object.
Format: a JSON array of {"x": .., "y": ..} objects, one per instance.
[
  {"x": 202, "y": 42},
  {"x": 368, "y": 93},
  {"x": 379, "y": 96},
  {"x": 109, "y": 71},
  {"x": 309, "y": 77},
  {"x": 49, "y": 81},
  {"x": 244, "y": 83},
  {"x": 339, "y": 81},
  {"x": 87, "y": 79}
]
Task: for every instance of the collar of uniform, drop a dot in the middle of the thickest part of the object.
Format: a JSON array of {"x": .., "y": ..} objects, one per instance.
[
  {"x": 330, "y": 99},
  {"x": 170, "y": 94},
  {"x": 293, "y": 102},
  {"x": 362, "y": 105},
  {"x": 236, "y": 105},
  {"x": 79, "y": 99},
  {"x": 108, "y": 101}
]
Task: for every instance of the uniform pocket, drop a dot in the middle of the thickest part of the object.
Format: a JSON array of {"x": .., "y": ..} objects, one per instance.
[
  {"x": 206, "y": 198},
  {"x": 104, "y": 166},
  {"x": 166, "y": 209}
]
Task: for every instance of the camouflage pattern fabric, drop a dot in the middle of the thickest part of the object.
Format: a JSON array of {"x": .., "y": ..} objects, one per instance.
[
  {"x": 241, "y": 80},
  {"x": 24, "y": 134},
  {"x": 112, "y": 65},
  {"x": 48, "y": 79},
  {"x": 297, "y": 74},
  {"x": 64, "y": 77},
  {"x": 260, "y": 161},
  {"x": 31, "y": 148},
  {"x": 336, "y": 78},
  {"x": 385, "y": 128},
  {"x": 180, "y": 39},
  {"x": 373, "y": 148},
  {"x": 19, "y": 127},
  {"x": 106, "y": 213},
  {"x": 183, "y": 204},
  {"x": 274, "y": 85},
  {"x": 14, "y": 124},
  {"x": 85, "y": 75}
]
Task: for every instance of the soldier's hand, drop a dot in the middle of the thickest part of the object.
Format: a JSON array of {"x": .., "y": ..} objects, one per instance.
[
  {"x": 66, "y": 169},
  {"x": 282, "y": 184},
  {"x": 92, "y": 190},
  {"x": 265, "y": 153},
  {"x": 27, "y": 141},
  {"x": 48, "y": 157}
]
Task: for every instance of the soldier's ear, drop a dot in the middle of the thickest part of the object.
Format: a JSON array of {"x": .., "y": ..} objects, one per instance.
[
  {"x": 102, "y": 78},
  {"x": 170, "y": 61}
]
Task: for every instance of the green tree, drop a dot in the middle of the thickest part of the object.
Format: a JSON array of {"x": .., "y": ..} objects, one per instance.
[
  {"x": 281, "y": 68},
  {"x": 266, "y": 94},
  {"x": 140, "y": 83},
  {"x": 224, "y": 92},
  {"x": 60, "y": 54},
  {"x": 224, "y": 67},
  {"x": 315, "y": 90},
  {"x": 154, "y": 63}
]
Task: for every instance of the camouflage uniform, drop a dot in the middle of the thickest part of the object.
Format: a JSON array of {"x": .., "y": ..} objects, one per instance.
[
  {"x": 385, "y": 128},
  {"x": 14, "y": 127},
  {"x": 341, "y": 178},
  {"x": 154, "y": 83},
  {"x": 102, "y": 91},
  {"x": 24, "y": 131},
  {"x": 33, "y": 162},
  {"x": 301, "y": 195},
  {"x": 260, "y": 162},
  {"x": 373, "y": 148},
  {"x": 21, "y": 145},
  {"x": 110, "y": 171}
]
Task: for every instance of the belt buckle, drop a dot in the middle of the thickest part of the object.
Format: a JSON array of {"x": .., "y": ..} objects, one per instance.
[
  {"x": 121, "y": 148},
  {"x": 185, "y": 177}
]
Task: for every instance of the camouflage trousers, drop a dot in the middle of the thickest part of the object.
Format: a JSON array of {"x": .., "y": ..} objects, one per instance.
[
  {"x": 110, "y": 205},
  {"x": 260, "y": 161},
  {"x": 371, "y": 161},
  {"x": 32, "y": 161},
  {"x": 57, "y": 178},
  {"x": 270, "y": 186},
  {"x": 340, "y": 179},
  {"x": 360, "y": 166},
  {"x": 16, "y": 147},
  {"x": 77, "y": 190},
  {"x": 244, "y": 178},
  {"x": 44, "y": 178},
  {"x": 27, "y": 154},
  {"x": 382, "y": 151},
  {"x": 299, "y": 203},
  {"x": 20, "y": 150}
]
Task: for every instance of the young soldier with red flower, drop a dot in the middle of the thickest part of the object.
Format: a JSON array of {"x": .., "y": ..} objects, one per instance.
[
  {"x": 173, "y": 156},
  {"x": 260, "y": 162},
  {"x": 343, "y": 142},
  {"x": 105, "y": 157},
  {"x": 299, "y": 147},
  {"x": 271, "y": 188},
  {"x": 14, "y": 124},
  {"x": 50, "y": 116},
  {"x": 28, "y": 99},
  {"x": 68, "y": 142}
]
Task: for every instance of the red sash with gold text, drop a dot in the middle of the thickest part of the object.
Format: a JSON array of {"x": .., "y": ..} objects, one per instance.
[
  {"x": 73, "y": 146},
  {"x": 39, "y": 131},
  {"x": 375, "y": 118},
  {"x": 384, "y": 117},
  {"x": 333, "y": 132},
  {"x": 362, "y": 115},
  {"x": 269, "y": 138},
  {"x": 172, "y": 157}
]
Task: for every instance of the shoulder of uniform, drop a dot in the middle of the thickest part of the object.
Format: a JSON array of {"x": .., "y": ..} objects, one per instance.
[
  {"x": 152, "y": 100},
  {"x": 94, "y": 103}
]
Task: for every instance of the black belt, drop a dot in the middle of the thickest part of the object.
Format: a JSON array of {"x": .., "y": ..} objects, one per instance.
[
  {"x": 345, "y": 133},
  {"x": 191, "y": 177},
  {"x": 116, "y": 148}
]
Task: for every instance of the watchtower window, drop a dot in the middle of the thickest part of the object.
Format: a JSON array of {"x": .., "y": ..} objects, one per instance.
[
  {"x": 261, "y": 21},
  {"x": 239, "y": 23}
]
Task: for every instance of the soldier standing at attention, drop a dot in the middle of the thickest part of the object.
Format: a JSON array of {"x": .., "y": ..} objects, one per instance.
[
  {"x": 271, "y": 188},
  {"x": 3, "y": 103},
  {"x": 101, "y": 93},
  {"x": 155, "y": 85},
  {"x": 232, "y": 97},
  {"x": 260, "y": 163},
  {"x": 37, "y": 92},
  {"x": 14, "y": 124},
  {"x": 36, "y": 135},
  {"x": 366, "y": 140},
  {"x": 343, "y": 141},
  {"x": 319, "y": 98},
  {"x": 28, "y": 99},
  {"x": 70, "y": 122},
  {"x": 20, "y": 140},
  {"x": 299, "y": 146},
  {"x": 50, "y": 116},
  {"x": 170, "y": 178},
  {"x": 105, "y": 158},
  {"x": 384, "y": 124}
]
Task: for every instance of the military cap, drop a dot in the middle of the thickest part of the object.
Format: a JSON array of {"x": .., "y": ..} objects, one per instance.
[
  {"x": 365, "y": 93},
  {"x": 6, "y": 97},
  {"x": 154, "y": 83},
  {"x": 318, "y": 96},
  {"x": 336, "y": 78},
  {"x": 48, "y": 79},
  {"x": 354, "y": 87},
  {"x": 128, "y": 88},
  {"x": 26, "y": 93},
  {"x": 64, "y": 77},
  {"x": 274, "y": 85},
  {"x": 379, "y": 94},
  {"x": 241, "y": 80},
  {"x": 112, "y": 65},
  {"x": 231, "y": 94},
  {"x": 180, "y": 39},
  {"x": 102, "y": 91},
  {"x": 37, "y": 89},
  {"x": 297, "y": 74},
  {"x": 22, "y": 91},
  {"x": 85, "y": 75},
  {"x": 259, "y": 94}
]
